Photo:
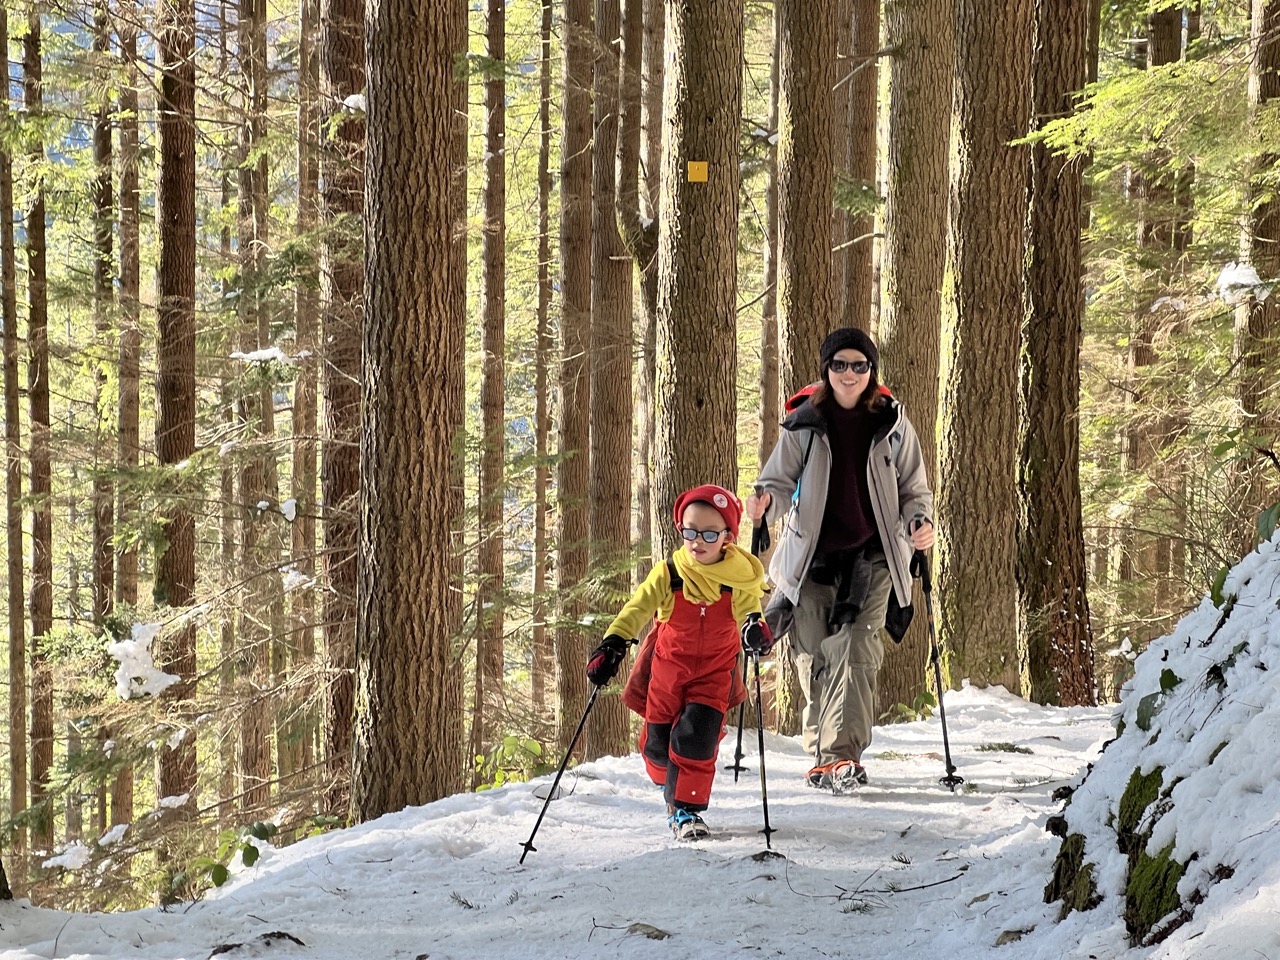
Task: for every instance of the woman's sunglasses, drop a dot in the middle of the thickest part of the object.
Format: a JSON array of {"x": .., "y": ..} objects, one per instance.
[
  {"x": 857, "y": 366},
  {"x": 708, "y": 536}
]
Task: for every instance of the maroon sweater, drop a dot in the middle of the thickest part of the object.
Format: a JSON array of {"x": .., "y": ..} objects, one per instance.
[{"x": 848, "y": 520}]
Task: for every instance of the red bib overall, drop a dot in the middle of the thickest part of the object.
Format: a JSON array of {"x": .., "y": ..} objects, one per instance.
[{"x": 694, "y": 662}]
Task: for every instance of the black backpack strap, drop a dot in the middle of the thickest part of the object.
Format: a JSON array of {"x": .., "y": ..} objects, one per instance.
[{"x": 677, "y": 582}]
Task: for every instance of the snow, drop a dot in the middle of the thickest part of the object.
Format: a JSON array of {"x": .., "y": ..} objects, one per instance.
[
  {"x": 73, "y": 857},
  {"x": 290, "y": 509},
  {"x": 137, "y": 675},
  {"x": 1239, "y": 282},
  {"x": 114, "y": 835},
  {"x": 263, "y": 356},
  {"x": 356, "y": 103},
  {"x": 899, "y": 870}
]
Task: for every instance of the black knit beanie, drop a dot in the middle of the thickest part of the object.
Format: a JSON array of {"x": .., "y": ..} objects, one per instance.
[{"x": 848, "y": 338}]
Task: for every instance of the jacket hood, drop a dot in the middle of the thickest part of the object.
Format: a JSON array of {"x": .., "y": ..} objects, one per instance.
[{"x": 803, "y": 415}]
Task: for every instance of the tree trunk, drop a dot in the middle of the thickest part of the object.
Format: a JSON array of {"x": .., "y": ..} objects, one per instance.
[
  {"x": 611, "y": 329},
  {"x": 13, "y": 496},
  {"x": 259, "y": 556},
  {"x": 1161, "y": 237},
  {"x": 175, "y": 359},
  {"x": 103, "y": 488},
  {"x": 41, "y": 470},
  {"x": 128, "y": 446},
  {"x": 342, "y": 72},
  {"x": 806, "y": 55},
  {"x": 493, "y": 306},
  {"x": 230, "y": 518},
  {"x": 978, "y": 586},
  {"x": 454, "y": 398},
  {"x": 913, "y": 259},
  {"x": 842, "y": 50},
  {"x": 544, "y": 665},
  {"x": 1053, "y": 610},
  {"x": 1257, "y": 321},
  {"x": 770, "y": 386},
  {"x": 788, "y": 698},
  {"x": 864, "y": 94},
  {"x": 575, "y": 347},
  {"x": 696, "y": 412},
  {"x": 640, "y": 153},
  {"x": 404, "y": 641},
  {"x": 300, "y": 737}
]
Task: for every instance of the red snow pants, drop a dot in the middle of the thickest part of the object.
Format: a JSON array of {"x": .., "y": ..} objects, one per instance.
[{"x": 695, "y": 661}]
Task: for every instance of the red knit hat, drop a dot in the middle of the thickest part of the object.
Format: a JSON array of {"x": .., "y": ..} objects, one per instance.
[{"x": 725, "y": 502}]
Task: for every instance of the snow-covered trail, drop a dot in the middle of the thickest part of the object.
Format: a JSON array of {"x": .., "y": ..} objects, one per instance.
[{"x": 902, "y": 868}]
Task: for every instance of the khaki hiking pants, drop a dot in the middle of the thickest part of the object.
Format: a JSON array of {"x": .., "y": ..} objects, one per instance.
[{"x": 838, "y": 671}]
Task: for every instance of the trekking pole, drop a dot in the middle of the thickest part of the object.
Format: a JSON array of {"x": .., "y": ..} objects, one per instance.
[
  {"x": 528, "y": 844},
  {"x": 760, "y": 542},
  {"x": 764, "y": 792},
  {"x": 951, "y": 781},
  {"x": 737, "y": 766}
]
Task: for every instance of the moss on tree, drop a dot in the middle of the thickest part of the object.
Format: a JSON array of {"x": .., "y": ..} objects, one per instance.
[
  {"x": 1151, "y": 893},
  {"x": 1072, "y": 881}
]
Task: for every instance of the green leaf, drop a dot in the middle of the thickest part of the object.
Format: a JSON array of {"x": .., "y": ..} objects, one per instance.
[
  {"x": 1168, "y": 680},
  {"x": 249, "y": 855},
  {"x": 219, "y": 874},
  {"x": 1267, "y": 520},
  {"x": 1215, "y": 590},
  {"x": 263, "y": 830}
]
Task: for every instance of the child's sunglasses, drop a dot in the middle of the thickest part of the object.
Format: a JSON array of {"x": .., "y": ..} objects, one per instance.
[
  {"x": 857, "y": 366},
  {"x": 708, "y": 536}
]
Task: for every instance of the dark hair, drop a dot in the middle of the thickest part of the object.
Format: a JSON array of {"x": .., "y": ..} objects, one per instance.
[{"x": 872, "y": 400}]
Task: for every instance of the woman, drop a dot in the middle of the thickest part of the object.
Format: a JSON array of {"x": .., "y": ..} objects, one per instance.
[{"x": 849, "y": 476}]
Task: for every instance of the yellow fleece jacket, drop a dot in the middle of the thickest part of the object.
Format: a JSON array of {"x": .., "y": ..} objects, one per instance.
[{"x": 702, "y": 582}]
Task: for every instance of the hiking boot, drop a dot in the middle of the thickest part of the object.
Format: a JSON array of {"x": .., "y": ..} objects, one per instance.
[
  {"x": 837, "y": 775},
  {"x": 847, "y": 775},
  {"x": 687, "y": 825}
]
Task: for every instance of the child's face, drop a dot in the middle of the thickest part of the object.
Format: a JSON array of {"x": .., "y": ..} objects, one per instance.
[{"x": 704, "y": 517}]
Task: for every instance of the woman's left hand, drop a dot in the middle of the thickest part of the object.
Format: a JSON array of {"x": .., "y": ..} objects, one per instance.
[{"x": 922, "y": 536}]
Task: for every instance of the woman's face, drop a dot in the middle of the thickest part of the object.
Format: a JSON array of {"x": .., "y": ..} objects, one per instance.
[{"x": 847, "y": 386}]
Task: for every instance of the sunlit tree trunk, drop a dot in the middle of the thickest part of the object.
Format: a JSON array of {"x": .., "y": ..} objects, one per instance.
[
  {"x": 1257, "y": 321},
  {"x": 696, "y": 436},
  {"x": 41, "y": 470},
  {"x": 978, "y": 587},
  {"x": 489, "y": 692},
  {"x": 921, "y": 36},
  {"x": 544, "y": 666},
  {"x": 639, "y": 156},
  {"x": 128, "y": 447},
  {"x": 806, "y": 56},
  {"x": 103, "y": 488},
  {"x": 258, "y": 635},
  {"x": 575, "y": 344},
  {"x": 611, "y": 370},
  {"x": 864, "y": 89},
  {"x": 405, "y": 736},
  {"x": 1053, "y": 610},
  {"x": 342, "y": 75},
  {"x": 175, "y": 568},
  {"x": 13, "y": 497},
  {"x": 300, "y": 737}
]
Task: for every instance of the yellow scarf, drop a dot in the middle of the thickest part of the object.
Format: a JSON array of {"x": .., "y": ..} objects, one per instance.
[{"x": 737, "y": 569}]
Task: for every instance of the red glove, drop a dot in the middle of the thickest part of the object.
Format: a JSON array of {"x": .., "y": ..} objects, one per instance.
[{"x": 606, "y": 659}]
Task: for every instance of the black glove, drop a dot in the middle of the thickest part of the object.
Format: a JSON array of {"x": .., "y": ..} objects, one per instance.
[
  {"x": 605, "y": 660},
  {"x": 757, "y": 638}
]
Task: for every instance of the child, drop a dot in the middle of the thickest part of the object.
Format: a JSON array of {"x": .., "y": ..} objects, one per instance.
[{"x": 706, "y": 599}]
